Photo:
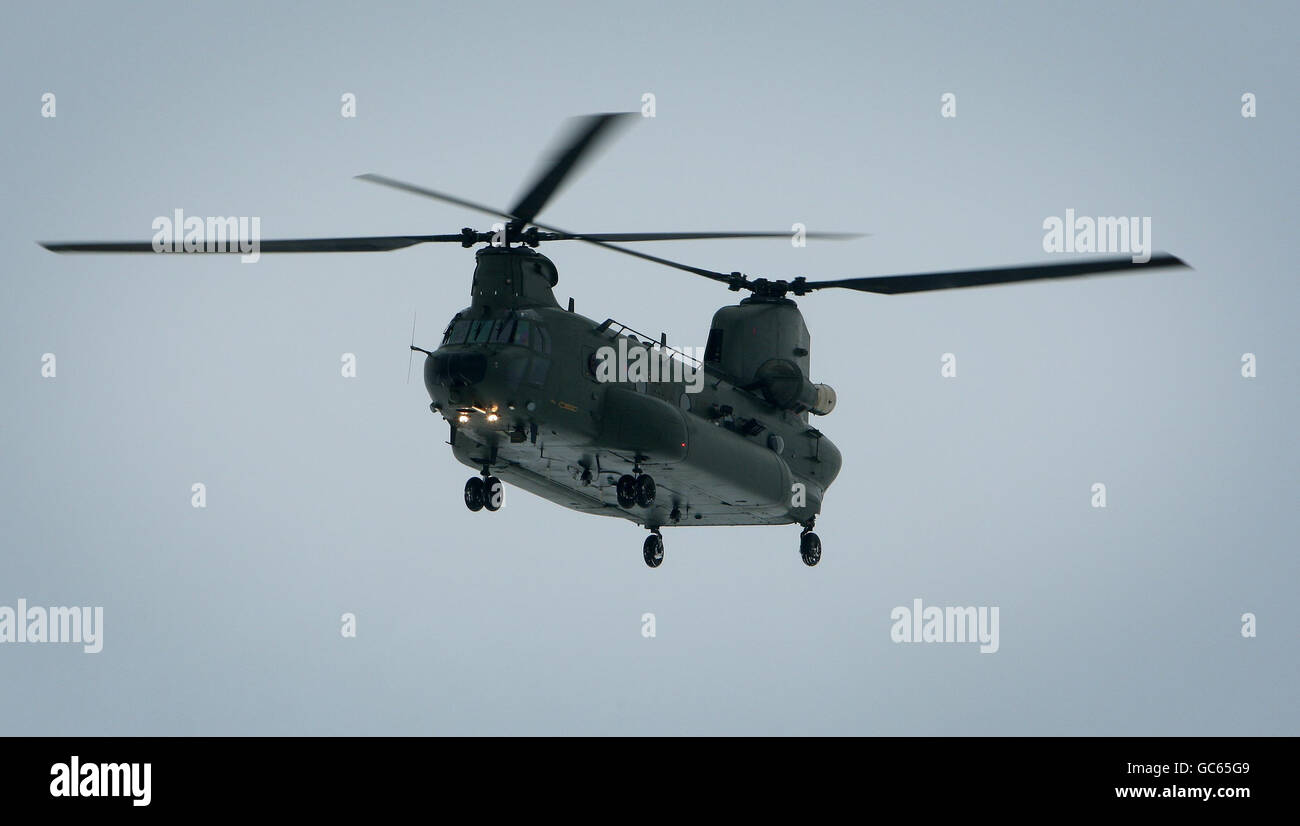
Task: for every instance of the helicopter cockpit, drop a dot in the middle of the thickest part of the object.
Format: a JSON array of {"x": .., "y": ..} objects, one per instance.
[
  {"x": 512, "y": 330},
  {"x": 509, "y": 333}
]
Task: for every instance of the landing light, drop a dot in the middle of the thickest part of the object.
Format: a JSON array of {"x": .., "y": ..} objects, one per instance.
[
  {"x": 492, "y": 417},
  {"x": 463, "y": 418}
]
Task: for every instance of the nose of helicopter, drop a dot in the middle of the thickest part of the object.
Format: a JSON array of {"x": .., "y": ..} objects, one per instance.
[{"x": 465, "y": 379}]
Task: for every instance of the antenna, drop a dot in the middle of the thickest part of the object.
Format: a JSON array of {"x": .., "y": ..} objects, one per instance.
[{"x": 411, "y": 356}]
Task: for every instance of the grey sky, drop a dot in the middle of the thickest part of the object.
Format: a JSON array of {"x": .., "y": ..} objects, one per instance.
[{"x": 328, "y": 495}]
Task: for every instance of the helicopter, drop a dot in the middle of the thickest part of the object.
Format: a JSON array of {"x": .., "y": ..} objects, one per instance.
[{"x": 531, "y": 398}]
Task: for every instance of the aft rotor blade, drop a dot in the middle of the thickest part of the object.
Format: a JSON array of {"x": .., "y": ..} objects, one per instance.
[
  {"x": 955, "y": 279},
  {"x": 379, "y": 243},
  {"x": 689, "y": 236},
  {"x": 584, "y": 135}
]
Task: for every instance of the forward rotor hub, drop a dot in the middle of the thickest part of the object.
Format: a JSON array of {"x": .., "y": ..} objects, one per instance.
[
  {"x": 509, "y": 234},
  {"x": 767, "y": 288}
]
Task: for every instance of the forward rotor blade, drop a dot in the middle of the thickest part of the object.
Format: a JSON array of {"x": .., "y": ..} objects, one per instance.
[
  {"x": 584, "y": 135},
  {"x": 645, "y": 256},
  {"x": 433, "y": 193},
  {"x": 381, "y": 243},
  {"x": 954, "y": 279},
  {"x": 688, "y": 236},
  {"x": 554, "y": 232}
]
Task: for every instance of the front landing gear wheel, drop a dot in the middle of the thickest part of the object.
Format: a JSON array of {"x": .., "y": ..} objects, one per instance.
[
  {"x": 653, "y": 550},
  {"x": 494, "y": 493},
  {"x": 474, "y": 494},
  {"x": 645, "y": 491},
  {"x": 625, "y": 490},
  {"x": 810, "y": 548}
]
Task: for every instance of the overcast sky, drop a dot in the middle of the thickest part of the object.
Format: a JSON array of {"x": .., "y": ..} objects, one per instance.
[{"x": 328, "y": 495}]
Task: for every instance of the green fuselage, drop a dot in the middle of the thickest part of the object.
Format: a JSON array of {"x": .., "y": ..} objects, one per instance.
[{"x": 518, "y": 380}]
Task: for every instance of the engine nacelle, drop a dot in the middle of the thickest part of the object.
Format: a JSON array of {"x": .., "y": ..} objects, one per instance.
[{"x": 784, "y": 385}]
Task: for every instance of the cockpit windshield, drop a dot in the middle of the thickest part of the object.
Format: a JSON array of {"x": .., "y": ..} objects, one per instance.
[{"x": 520, "y": 332}]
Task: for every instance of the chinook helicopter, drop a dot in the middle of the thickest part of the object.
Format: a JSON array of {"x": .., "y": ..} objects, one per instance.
[{"x": 526, "y": 390}]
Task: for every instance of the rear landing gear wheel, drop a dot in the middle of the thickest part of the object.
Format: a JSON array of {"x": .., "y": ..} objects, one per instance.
[
  {"x": 625, "y": 490},
  {"x": 653, "y": 550},
  {"x": 810, "y": 548},
  {"x": 474, "y": 494},
  {"x": 494, "y": 493},
  {"x": 645, "y": 491}
]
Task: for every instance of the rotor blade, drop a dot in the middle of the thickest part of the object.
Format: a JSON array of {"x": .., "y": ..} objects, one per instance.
[
  {"x": 687, "y": 236},
  {"x": 601, "y": 240},
  {"x": 381, "y": 243},
  {"x": 432, "y": 193},
  {"x": 595, "y": 239},
  {"x": 921, "y": 282},
  {"x": 584, "y": 135},
  {"x": 645, "y": 256}
]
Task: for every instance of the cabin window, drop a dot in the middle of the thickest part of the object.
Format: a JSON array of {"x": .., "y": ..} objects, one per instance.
[{"x": 713, "y": 347}]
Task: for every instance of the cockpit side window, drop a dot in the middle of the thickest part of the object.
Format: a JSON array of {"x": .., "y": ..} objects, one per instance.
[
  {"x": 523, "y": 333},
  {"x": 541, "y": 340}
]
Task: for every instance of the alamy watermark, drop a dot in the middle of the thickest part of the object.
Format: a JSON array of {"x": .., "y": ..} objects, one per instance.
[
  {"x": 933, "y": 623},
  {"x": 642, "y": 364},
  {"x": 1102, "y": 234},
  {"x": 178, "y": 233},
  {"x": 84, "y": 625},
  {"x": 77, "y": 779}
]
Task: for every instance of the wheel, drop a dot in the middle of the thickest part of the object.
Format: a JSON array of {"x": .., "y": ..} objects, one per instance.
[
  {"x": 494, "y": 493},
  {"x": 474, "y": 493},
  {"x": 645, "y": 491},
  {"x": 626, "y": 490},
  {"x": 653, "y": 550},
  {"x": 810, "y": 548}
]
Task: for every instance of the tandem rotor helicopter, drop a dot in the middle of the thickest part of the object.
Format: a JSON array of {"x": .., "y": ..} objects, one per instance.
[{"x": 518, "y": 378}]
